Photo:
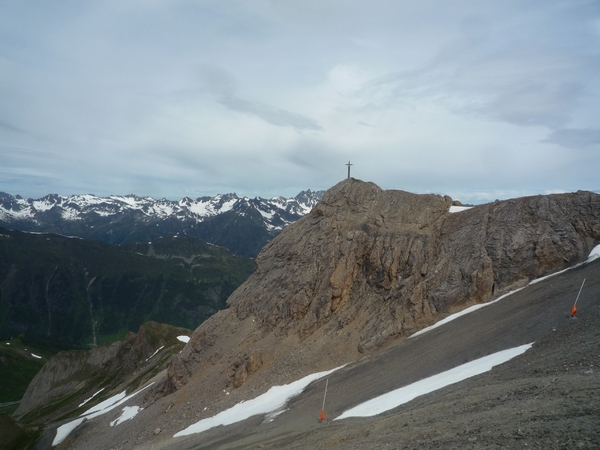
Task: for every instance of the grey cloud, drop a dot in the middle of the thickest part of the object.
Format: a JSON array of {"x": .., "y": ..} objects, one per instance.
[
  {"x": 534, "y": 104},
  {"x": 224, "y": 86},
  {"x": 9, "y": 127},
  {"x": 270, "y": 114},
  {"x": 216, "y": 80},
  {"x": 574, "y": 137}
]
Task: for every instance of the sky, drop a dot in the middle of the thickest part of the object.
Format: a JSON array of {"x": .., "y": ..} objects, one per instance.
[{"x": 174, "y": 98}]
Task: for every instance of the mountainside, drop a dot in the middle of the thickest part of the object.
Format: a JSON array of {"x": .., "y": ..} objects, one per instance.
[
  {"x": 368, "y": 265},
  {"x": 77, "y": 380},
  {"x": 243, "y": 225},
  {"x": 68, "y": 291},
  {"x": 387, "y": 263},
  {"x": 346, "y": 284}
]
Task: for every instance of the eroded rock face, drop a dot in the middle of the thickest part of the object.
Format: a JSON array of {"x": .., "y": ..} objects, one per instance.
[
  {"x": 58, "y": 376},
  {"x": 373, "y": 264},
  {"x": 71, "y": 376}
]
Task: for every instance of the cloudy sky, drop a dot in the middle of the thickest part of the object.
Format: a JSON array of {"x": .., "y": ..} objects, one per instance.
[{"x": 481, "y": 100}]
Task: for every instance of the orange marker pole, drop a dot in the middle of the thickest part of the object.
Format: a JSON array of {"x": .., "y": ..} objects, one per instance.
[
  {"x": 574, "y": 308},
  {"x": 322, "y": 418}
]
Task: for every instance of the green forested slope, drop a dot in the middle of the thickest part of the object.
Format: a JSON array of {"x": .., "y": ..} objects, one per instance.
[{"x": 69, "y": 291}]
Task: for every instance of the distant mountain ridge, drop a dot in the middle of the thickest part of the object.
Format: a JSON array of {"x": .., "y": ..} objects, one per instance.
[{"x": 242, "y": 224}]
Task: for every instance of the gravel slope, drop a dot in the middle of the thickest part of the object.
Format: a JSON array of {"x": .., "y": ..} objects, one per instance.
[{"x": 549, "y": 397}]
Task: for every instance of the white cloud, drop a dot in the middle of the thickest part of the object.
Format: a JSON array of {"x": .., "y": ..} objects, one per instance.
[{"x": 265, "y": 97}]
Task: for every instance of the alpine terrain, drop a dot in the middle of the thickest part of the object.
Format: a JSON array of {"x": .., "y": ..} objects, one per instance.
[
  {"x": 241, "y": 224},
  {"x": 328, "y": 344}
]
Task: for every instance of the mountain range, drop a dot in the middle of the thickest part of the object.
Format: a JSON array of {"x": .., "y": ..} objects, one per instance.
[{"x": 241, "y": 224}]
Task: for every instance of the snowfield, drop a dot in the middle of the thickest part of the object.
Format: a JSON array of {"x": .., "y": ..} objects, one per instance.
[
  {"x": 101, "y": 408},
  {"x": 405, "y": 394},
  {"x": 271, "y": 402}
]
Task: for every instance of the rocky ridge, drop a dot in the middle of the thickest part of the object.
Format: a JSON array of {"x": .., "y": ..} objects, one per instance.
[
  {"x": 368, "y": 265},
  {"x": 349, "y": 281},
  {"x": 363, "y": 270}
]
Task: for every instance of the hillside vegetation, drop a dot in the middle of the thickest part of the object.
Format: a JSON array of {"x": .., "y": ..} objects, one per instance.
[{"x": 66, "y": 292}]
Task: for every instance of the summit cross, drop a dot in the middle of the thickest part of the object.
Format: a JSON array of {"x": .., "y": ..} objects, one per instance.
[{"x": 349, "y": 168}]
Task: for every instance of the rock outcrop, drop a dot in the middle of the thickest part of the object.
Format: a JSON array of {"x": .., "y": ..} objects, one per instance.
[
  {"x": 368, "y": 265},
  {"x": 70, "y": 377}
]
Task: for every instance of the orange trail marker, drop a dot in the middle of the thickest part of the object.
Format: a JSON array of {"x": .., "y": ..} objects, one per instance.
[
  {"x": 322, "y": 418},
  {"x": 574, "y": 309}
]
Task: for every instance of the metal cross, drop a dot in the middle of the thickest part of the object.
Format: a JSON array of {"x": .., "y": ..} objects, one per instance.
[{"x": 349, "y": 168}]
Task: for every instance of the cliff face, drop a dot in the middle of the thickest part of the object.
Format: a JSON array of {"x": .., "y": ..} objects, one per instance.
[
  {"x": 367, "y": 265},
  {"x": 360, "y": 248}
]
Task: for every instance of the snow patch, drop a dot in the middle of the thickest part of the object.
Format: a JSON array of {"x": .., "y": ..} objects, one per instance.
[
  {"x": 87, "y": 400},
  {"x": 157, "y": 350},
  {"x": 455, "y": 209},
  {"x": 129, "y": 412},
  {"x": 185, "y": 339},
  {"x": 464, "y": 312},
  {"x": 268, "y": 403},
  {"x": 64, "y": 430},
  {"x": 106, "y": 403},
  {"x": 36, "y": 356},
  {"x": 594, "y": 254},
  {"x": 405, "y": 394},
  {"x": 101, "y": 408}
]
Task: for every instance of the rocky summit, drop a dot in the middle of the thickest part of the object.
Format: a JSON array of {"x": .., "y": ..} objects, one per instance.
[
  {"x": 363, "y": 270},
  {"x": 368, "y": 266}
]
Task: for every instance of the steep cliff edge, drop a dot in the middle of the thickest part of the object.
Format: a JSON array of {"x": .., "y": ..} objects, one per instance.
[{"x": 368, "y": 265}]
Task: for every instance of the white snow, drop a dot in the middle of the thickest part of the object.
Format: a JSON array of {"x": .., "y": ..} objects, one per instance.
[
  {"x": 405, "y": 394},
  {"x": 36, "y": 356},
  {"x": 266, "y": 214},
  {"x": 129, "y": 412},
  {"x": 42, "y": 205},
  {"x": 455, "y": 209},
  {"x": 594, "y": 254},
  {"x": 101, "y": 408},
  {"x": 269, "y": 402},
  {"x": 228, "y": 205},
  {"x": 464, "y": 312},
  {"x": 130, "y": 201},
  {"x": 106, "y": 403},
  {"x": 201, "y": 208},
  {"x": 70, "y": 214},
  {"x": 87, "y": 400},
  {"x": 64, "y": 430},
  {"x": 185, "y": 339},
  {"x": 157, "y": 350},
  {"x": 103, "y": 213}
]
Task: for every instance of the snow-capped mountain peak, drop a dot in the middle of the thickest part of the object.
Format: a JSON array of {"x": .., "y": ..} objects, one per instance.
[{"x": 122, "y": 218}]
